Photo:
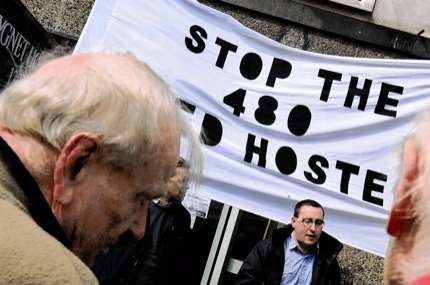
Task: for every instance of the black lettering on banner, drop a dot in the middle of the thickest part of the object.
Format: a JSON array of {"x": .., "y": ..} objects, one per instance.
[
  {"x": 251, "y": 65},
  {"x": 264, "y": 114},
  {"x": 316, "y": 164},
  {"x": 226, "y": 47},
  {"x": 353, "y": 91},
  {"x": 261, "y": 150},
  {"x": 211, "y": 132},
  {"x": 384, "y": 100},
  {"x": 370, "y": 186},
  {"x": 299, "y": 120},
  {"x": 328, "y": 76},
  {"x": 280, "y": 69},
  {"x": 198, "y": 34},
  {"x": 347, "y": 170},
  {"x": 286, "y": 160},
  {"x": 235, "y": 100},
  {"x": 187, "y": 107}
]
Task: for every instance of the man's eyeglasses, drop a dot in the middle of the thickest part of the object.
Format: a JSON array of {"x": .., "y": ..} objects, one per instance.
[{"x": 309, "y": 222}]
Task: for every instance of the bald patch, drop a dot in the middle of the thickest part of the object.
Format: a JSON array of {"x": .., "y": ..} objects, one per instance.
[{"x": 77, "y": 63}]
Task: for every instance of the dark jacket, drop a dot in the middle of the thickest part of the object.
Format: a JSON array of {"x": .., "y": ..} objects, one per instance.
[
  {"x": 265, "y": 263},
  {"x": 164, "y": 258},
  {"x": 115, "y": 268},
  {"x": 160, "y": 258}
]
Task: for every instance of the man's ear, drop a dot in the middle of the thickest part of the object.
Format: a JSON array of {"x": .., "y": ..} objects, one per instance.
[
  {"x": 72, "y": 159},
  {"x": 293, "y": 220},
  {"x": 401, "y": 220}
]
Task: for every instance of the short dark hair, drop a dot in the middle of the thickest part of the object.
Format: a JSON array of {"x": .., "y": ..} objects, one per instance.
[{"x": 307, "y": 202}]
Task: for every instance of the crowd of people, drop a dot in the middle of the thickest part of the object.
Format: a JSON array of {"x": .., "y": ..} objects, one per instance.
[{"x": 91, "y": 177}]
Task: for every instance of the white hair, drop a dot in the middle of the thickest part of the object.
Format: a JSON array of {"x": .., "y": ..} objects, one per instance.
[{"x": 115, "y": 96}]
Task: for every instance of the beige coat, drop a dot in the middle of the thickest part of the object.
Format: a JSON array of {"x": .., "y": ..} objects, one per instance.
[{"x": 29, "y": 255}]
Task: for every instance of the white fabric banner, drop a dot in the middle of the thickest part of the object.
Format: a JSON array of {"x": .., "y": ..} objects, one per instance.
[{"x": 282, "y": 124}]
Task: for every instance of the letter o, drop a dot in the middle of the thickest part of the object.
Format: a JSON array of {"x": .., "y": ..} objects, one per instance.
[{"x": 286, "y": 160}]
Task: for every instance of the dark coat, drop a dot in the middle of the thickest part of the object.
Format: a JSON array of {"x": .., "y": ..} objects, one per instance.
[
  {"x": 115, "y": 267},
  {"x": 164, "y": 258},
  {"x": 160, "y": 258},
  {"x": 265, "y": 263}
]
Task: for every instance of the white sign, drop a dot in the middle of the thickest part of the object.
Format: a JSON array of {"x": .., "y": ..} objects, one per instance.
[
  {"x": 196, "y": 204},
  {"x": 282, "y": 124}
]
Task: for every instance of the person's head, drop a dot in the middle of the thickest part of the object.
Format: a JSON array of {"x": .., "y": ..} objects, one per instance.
[
  {"x": 108, "y": 129},
  {"x": 409, "y": 219},
  {"x": 177, "y": 185},
  {"x": 307, "y": 223}
]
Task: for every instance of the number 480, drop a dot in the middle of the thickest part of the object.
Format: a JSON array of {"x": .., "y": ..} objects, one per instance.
[{"x": 299, "y": 118}]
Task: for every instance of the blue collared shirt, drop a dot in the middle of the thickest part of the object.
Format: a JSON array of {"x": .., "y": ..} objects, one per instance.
[{"x": 297, "y": 266}]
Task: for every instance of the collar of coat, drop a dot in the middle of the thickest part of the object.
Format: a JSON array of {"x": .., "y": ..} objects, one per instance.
[
  {"x": 37, "y": 206},
  {"x": 328, "y": 245}
]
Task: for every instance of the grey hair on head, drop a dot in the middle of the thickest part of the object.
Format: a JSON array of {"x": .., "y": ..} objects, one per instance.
[{"x": 113, "y": 95}]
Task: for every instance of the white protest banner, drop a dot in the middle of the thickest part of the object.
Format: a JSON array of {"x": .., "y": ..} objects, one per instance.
[{"x": 282, "y": 124}]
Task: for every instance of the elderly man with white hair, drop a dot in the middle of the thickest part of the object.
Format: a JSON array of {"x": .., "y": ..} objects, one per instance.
[
  {"x": 407, "y": 260},
  {"x": 86, "y": 142}
]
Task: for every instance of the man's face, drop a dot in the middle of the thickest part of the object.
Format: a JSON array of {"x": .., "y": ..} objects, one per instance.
[
  {"x": 306, "y": 228},
  {"x": 109, "y": 202}
]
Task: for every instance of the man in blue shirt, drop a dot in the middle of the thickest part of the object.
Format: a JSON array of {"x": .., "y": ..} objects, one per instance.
[{"x": 300, "y": 254}]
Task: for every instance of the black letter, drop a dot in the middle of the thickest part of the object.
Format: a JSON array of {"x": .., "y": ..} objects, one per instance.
[
  {"x": 211, "y": 132},
  {"x": 354, "y": 91},
  {"x": 286, "y": 160},
  {"x": 252, "y": 148},
  {"x": 187, "y": 107},
  {"x": 370, "y": 186},
  {"x": 347, "y": 170},
  {"x": 251, "y": 65},
  {"x": 223, "y": 52},
  {"x": 235, "y": 100},
  {"x": 384, "y": 100},
  {"x": 280, "y": 69},
  {"x": 197, "y": 33},
  {"x": 299, "y": 120},
  {"x": 328, "y": 76},
  {"x": 317, "y": 169}
]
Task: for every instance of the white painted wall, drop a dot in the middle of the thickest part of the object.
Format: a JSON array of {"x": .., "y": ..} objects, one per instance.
[{"x": 410, "y": 16}]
